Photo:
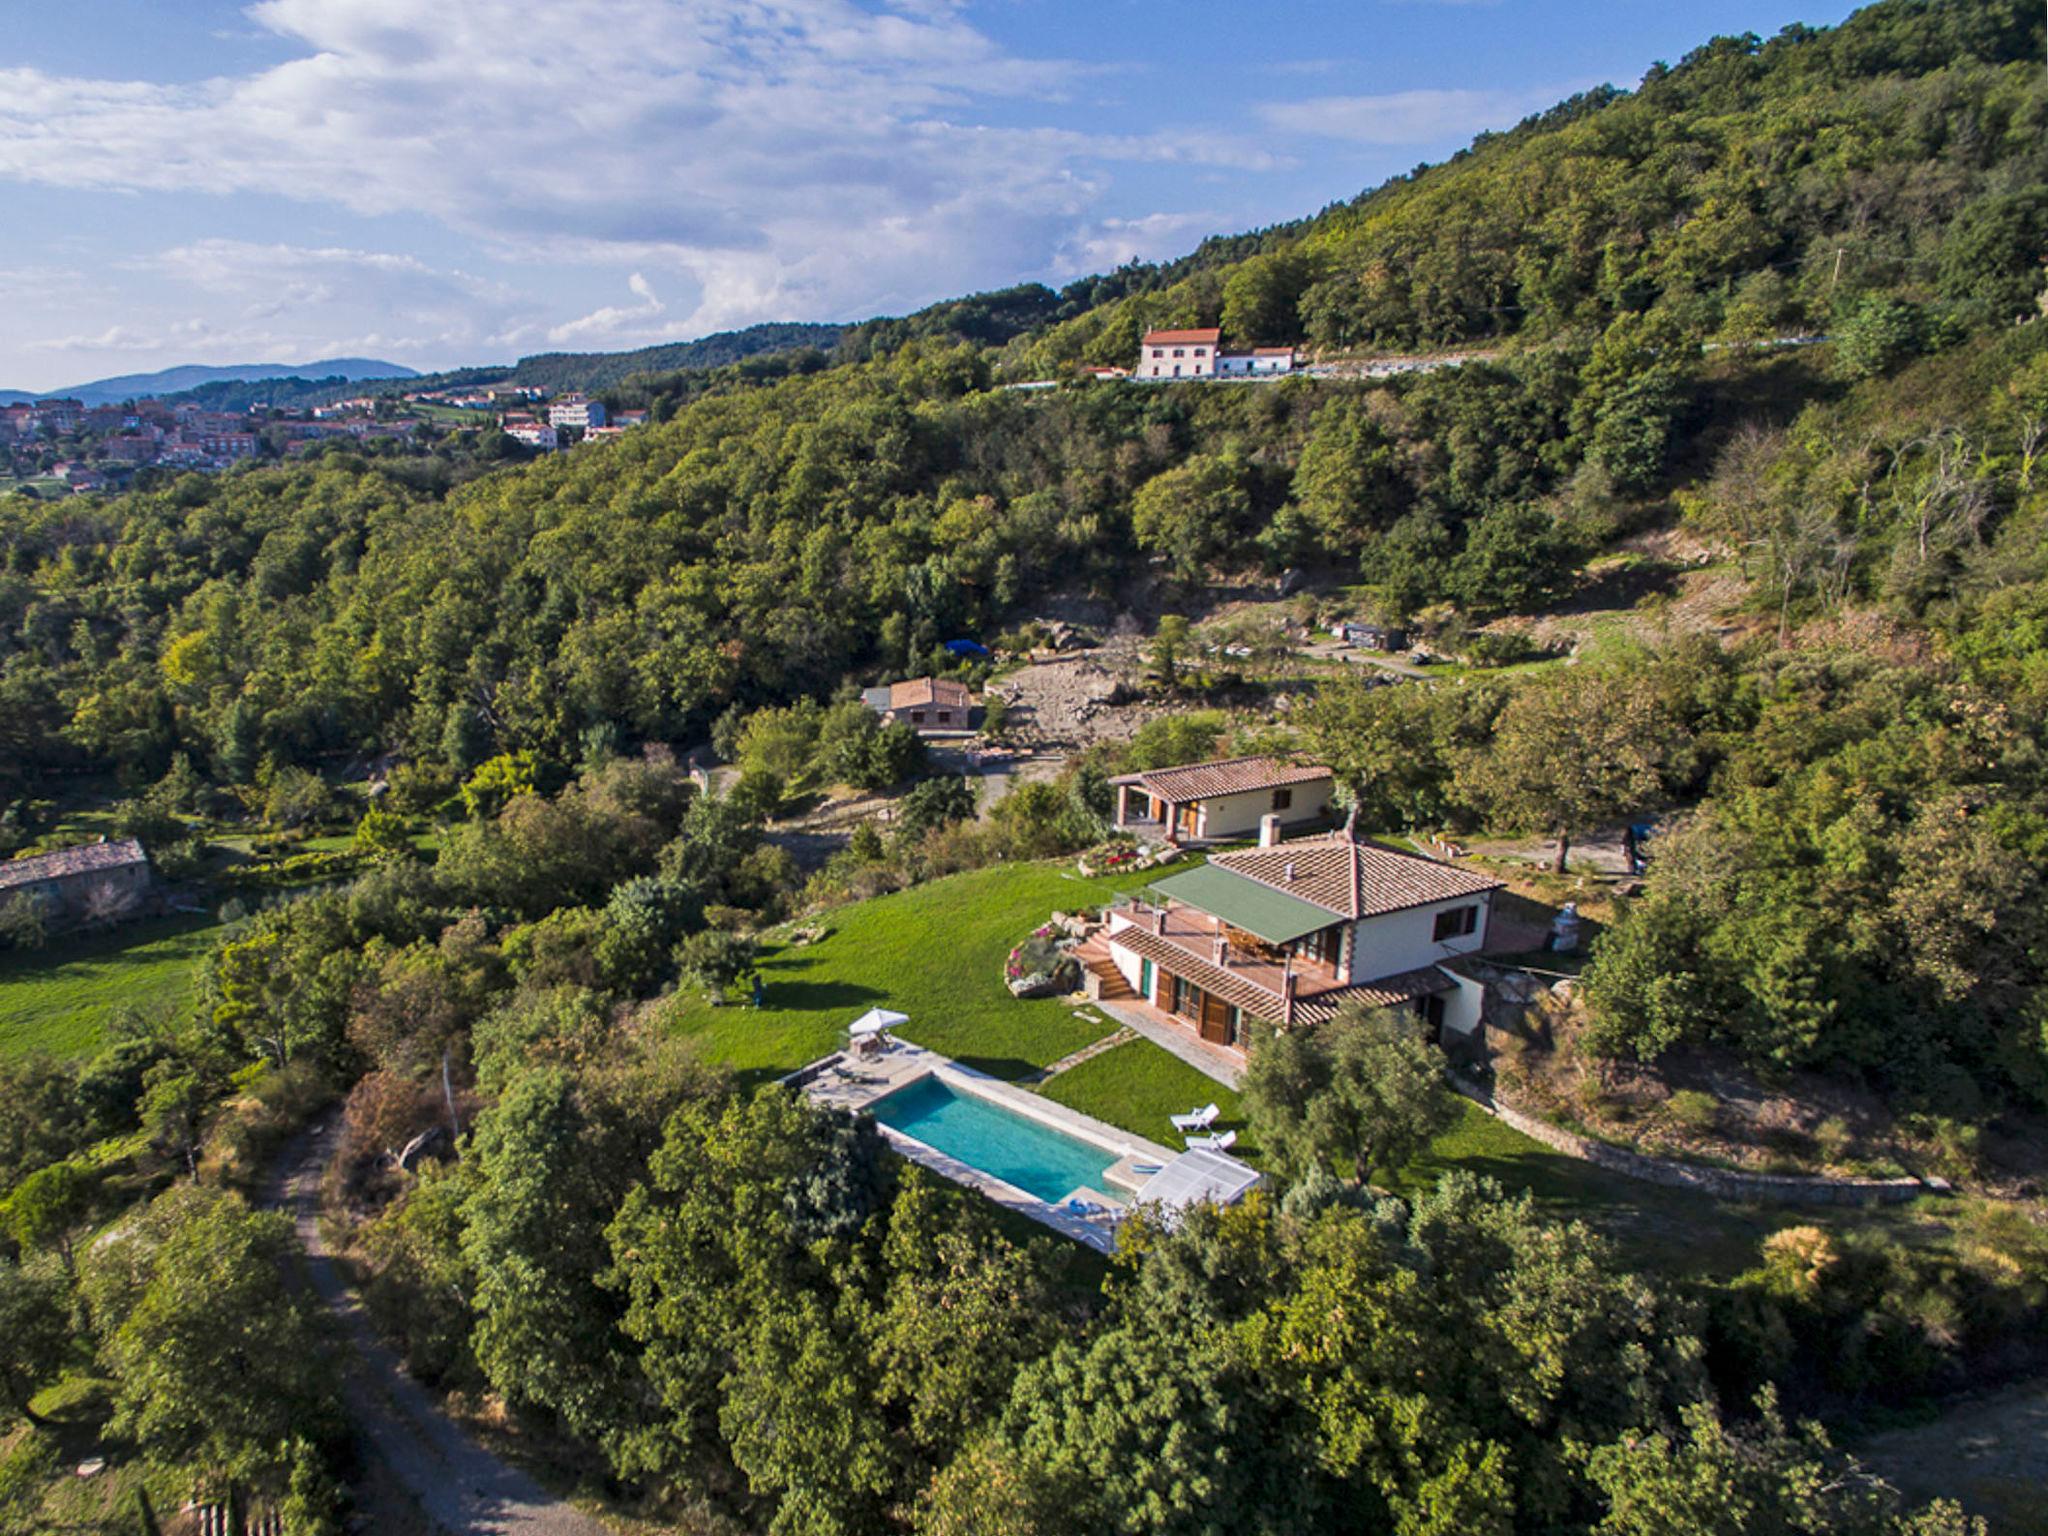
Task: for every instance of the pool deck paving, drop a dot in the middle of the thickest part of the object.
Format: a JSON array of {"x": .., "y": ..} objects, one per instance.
[{"x": 856, "y": 1085}]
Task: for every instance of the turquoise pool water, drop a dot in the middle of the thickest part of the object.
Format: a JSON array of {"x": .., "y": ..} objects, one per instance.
[{"x": 1037, "y": 1159}]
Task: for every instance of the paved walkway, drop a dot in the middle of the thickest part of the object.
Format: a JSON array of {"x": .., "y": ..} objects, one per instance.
[
  {"x": 458, "y": 1484},
  {"x": 1224, "y": 1066}
]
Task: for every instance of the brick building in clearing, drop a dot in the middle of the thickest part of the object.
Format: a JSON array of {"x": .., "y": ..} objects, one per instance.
[
  {"x": 931, "y": 706},
  {"x": 97, "y": 883}
]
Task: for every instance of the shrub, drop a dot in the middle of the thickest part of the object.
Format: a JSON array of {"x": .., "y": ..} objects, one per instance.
[
  {"x": 1835, "y": 1140},
  {"x": 1798, "y": 1261},
  {"x": 1694, "y": 1110},
  {"x": 715, "y": 959},
  {"x": 497, "y": 783},
  {"x": 21, "y": 924}
]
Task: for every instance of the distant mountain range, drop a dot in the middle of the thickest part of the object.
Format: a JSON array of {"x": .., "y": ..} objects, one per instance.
[
  {"x": 172, "y": 381},
  {"x": 602, "y": 370}
]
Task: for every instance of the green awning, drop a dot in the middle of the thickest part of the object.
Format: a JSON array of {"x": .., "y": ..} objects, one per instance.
[{"x": 1258, "y": 909}]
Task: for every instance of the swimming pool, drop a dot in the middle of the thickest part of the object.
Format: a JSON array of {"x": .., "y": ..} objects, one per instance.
[{"x": 1036, "y": 1158}]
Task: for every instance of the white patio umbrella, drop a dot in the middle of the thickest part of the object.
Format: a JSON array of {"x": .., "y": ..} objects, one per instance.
[{"x": 874, "y": 1021}]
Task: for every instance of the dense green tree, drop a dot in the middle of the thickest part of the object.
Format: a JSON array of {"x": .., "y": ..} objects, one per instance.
[
  {"x": 217, "y": 1362},
  {"x": 47, "y": 1208},
  {"x": 35, "y": 1322},
  {"x": 1574, "y": 750},
  {"x": 532, "y": 1219},
  {"x": 1364, "y": 1091},
  {"x": 1194, "y": 515},
  {"x": 1712, "y": 1479},
  {"x": 933, "y": 804}
]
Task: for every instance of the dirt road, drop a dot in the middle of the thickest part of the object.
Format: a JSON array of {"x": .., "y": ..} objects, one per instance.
[
  {"x": 458, "y": 1484},
  {"x": 1991, "y": 1455}
]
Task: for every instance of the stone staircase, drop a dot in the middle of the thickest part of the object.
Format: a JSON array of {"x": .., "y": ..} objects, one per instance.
[{"x": 1103, "y": 982}]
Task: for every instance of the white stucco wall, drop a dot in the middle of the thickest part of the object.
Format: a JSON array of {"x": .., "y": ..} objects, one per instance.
[
  {"x": 1188, "y": 363},
  {"x": 1401, "y": 941},
  {"x": 1464, "y": 1007},
  {"x": 1238, "y": 815},
  {"x": 1128, "y": 964}
]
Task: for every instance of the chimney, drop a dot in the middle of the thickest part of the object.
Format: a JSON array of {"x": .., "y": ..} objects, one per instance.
[
  {"x": 1159, "y": 920},
  {"x": 1221, "y": 947},
  {"x": 1287, "y": 874},
  {"x": 1269, "y": 831}
]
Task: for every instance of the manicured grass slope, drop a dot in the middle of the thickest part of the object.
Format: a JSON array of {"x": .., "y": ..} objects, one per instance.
[
  {"x": 1138, "y": 1086},
  {"x": 58, "y": 999},
  {"x": 934, "y": 952}
]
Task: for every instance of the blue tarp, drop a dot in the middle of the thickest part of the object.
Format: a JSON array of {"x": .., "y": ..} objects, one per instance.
[{"x": 966, "y": 647}]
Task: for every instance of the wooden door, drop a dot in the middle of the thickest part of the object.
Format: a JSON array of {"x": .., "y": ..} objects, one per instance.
[{"x": 1215, "y": 1020}]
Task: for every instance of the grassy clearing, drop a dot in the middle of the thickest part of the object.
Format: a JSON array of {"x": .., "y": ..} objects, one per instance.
[
  {"x": 1137, "y": 1086},
  {"x": 935, "y": 952},
  {"x": 58, "y": 999}
]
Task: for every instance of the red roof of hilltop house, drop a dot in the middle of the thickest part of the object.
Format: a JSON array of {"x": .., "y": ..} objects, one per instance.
[
  {"x": 929, "y": 692},
  {"x": 1272, "y": 351},
  {"x": 1208, "y": 337},
  {"x": 1353, "y": 879},
  {"x": 1224, "y": 776}
]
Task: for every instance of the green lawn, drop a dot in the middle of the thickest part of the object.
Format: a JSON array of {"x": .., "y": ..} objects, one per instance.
[
  {"x": 934, "y": 952},
  {"x": 1137, "y": 1086},
  {"x": 58, "y": 999}
]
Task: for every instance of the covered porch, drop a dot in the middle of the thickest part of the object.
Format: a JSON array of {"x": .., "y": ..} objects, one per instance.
[{"x": 1147, "y": 815}]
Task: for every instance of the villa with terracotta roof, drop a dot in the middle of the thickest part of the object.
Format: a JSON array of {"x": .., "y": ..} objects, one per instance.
[
  {"x": 1188, "y": 354},
  {"x": 1227, "y": 798},
  {"x": 1198, "y": 354},
  {"x": 932, "y": 706},
  {"x": 1286, "y": 933}
]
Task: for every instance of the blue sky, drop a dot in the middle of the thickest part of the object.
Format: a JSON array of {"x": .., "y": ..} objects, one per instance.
[{"x": 441, "y": 182}]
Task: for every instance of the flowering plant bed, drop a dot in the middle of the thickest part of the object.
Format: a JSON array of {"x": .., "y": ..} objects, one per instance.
[
  {"x": 1120, "y": 855},
  {"x": 1041, "y": 965}
]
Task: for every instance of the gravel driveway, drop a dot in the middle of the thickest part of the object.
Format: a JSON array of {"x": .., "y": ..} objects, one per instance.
[{"x": 459, "y": 1485}]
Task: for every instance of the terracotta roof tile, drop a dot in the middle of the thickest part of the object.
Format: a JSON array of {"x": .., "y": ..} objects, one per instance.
[
  {"x": 1208, "y": 337},
  {"x": 1387, "y": 992},
  {"x": 1354, "y": 879},
  {"x": 929, "y": 692},
  {"x": 1225, "y": 776},
  {"x": 1239, "y": 991}
]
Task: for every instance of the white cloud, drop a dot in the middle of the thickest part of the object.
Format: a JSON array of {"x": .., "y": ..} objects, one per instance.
[
  {"x": 115, "y": 338},
  {"x": 774, "y": 157},
  {"x": 613, "y": 320},
  {"x": 1109, "y": 244},
  {"x": 1411, "y": 117}
]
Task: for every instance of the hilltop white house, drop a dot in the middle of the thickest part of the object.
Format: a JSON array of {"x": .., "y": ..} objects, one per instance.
[
  {"x": 1198, "y": 354},
  {"x": 1286, "y": 933},
  {"x": 1227, "y": 798}
]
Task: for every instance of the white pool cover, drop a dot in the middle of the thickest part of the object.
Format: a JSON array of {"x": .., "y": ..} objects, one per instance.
[{"x": 1196, "y": 1176}]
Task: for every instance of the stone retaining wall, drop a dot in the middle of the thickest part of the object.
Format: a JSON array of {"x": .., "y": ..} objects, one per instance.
[{"x": 1723, "y": 1183}]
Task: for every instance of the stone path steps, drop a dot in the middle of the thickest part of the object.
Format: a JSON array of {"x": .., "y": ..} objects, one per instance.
[{"x": 1108, "y": 1042}]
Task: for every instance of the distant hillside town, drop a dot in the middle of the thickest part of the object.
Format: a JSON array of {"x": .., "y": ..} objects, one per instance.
[{"x": 54, "y": 446}]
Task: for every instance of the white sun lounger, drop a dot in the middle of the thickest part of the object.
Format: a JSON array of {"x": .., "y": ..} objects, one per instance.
[
  {"x": 1195, "y": 1119},
  {"x": 1222, "y": 1143}
]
